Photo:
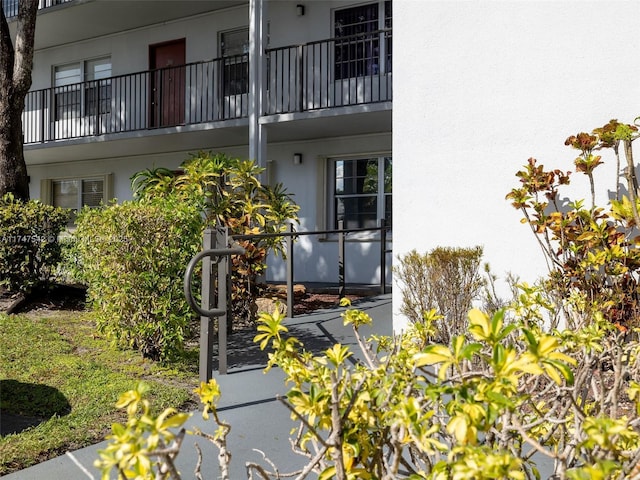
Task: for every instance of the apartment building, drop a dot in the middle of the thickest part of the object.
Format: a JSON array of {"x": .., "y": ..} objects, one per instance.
[{"x": 302, "y": 87}]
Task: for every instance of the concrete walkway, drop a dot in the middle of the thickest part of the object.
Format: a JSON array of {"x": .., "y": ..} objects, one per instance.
[{"x": 248, "y": 404}]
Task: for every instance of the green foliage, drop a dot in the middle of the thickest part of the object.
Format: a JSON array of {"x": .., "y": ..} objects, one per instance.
[
  {"x": 445, "y": 279},
  {"x": 479, "y": 407},
  {"x": 589, "y": 250},
  {"x": 142, "y": 434},
  {"x": 29, "y": 246},
  {"x": 133, "y": 257},
  {"x": 228, "y": 193}
]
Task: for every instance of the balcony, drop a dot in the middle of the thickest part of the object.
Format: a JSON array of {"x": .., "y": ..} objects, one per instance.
[
  {"x": 62, "y": 22},
  {"x": 10, "y": 7},
  {"x": 344, "y": 72},
  {"x": 339, "y": 72}
]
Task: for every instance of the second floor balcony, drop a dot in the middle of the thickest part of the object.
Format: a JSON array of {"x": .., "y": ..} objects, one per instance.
[{"x": 328, "y": 74}]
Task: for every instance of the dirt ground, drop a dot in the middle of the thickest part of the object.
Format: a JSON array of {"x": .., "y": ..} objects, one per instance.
[{"x": 66, "y": 297}]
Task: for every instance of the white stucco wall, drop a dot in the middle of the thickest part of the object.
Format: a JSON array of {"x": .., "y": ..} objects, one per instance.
[
  {"x": 482, "y": 86},
  {"x": 315, "y": 257}
]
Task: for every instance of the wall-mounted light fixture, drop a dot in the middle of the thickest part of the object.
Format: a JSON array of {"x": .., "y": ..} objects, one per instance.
[
  {"x": 300, "y": 10},
  {"x": 297, "y": 158}
]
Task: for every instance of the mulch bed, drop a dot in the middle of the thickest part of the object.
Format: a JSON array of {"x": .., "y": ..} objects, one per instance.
[
  {"x": 70, "y": 297},
  {"x": 56, "y": 297}
]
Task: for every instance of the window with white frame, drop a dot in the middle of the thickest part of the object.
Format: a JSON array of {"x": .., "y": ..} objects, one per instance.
[
  {"x": 361, "y": 191},
  {"x": 362, "y": 45},
  {"x": 76, "y": 193},
  {"x": 234, "y": 47},
  {"x": 82, "y": 89}
]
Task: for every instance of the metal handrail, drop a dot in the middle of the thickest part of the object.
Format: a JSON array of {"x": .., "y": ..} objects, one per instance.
[{"x": 216, "y": 253}]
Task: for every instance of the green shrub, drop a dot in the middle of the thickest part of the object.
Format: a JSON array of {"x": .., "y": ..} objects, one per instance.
[
  {"x": 29, "y": 246},
  {"x": 445, "y": 279},
  {"x": 132, "y": 257},
  {"x": 229, "y": 193}
]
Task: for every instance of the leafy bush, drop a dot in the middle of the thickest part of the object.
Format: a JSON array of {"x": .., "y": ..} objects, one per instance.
[
  {"x": 228, "y": 193},
  {"x": 488, "y": 405},
  {"x": 133, "y": 257},
  {"x": 591, "y": 251},
  {"x": 446, "y": 280},
  {"x": 29, "y": 246}
]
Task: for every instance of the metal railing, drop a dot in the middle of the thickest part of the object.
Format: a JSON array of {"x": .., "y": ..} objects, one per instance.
[
  {"x": 337, "y": 72},
  {"x": 218, "y": 246},
  {"x": 10, "y": 7},
  {"x": 341, "y": 234},
  {"x": 183, "y": 95}
]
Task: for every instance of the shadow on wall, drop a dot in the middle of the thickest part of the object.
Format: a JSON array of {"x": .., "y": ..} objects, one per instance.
[
  {"x": 26, "y": 405},
  {"x": 316, "y": 261}
]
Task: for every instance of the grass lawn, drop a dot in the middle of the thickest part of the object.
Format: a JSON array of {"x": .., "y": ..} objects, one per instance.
[{"x": 54, "y": 366}]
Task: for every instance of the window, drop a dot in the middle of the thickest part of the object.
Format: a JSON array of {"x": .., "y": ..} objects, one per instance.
[
  {"x": 75, "y": 193},
  {"x": 67, "y": 80},
  {"x": 361, "y": 191},
  {"x": 361, "y": 41},
  {"x": 234, "y": 47},
  {"x": 82, "y": 89},
  {"x": 97, "y": 75}
]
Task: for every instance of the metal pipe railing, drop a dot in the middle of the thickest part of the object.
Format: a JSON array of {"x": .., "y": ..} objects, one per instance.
[
  {"x": 341, "y": 233},
  {"x": 218, "y": 247}
]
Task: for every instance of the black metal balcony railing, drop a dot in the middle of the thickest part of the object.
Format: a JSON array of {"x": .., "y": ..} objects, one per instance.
[
  {"x": 325, "y": 74},
  {"x": 183, "y": 95},
  {"x": 10, "y": 7},
  {"x": 339, "y": 72}
]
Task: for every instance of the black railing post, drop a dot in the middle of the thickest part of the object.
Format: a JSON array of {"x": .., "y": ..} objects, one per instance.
[
  {"x": 341, "y": 279},
  {"x": 206, "y": 323},
  {"x": 222, "y": 240},
  {"x": 290, "y": 271},
  {"x": 42, "y": 117},
  {"x": 300, "y": 79},
  {"x": 383, "y": 256}
]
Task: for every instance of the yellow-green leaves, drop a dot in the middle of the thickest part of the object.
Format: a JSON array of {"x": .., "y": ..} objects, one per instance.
[
  {"x": 354, "y": 317},
  {"x": 634, "y": 395},
  {"x": 544, "y": 349},
  {"x": 209, "y": 394},
  {"x": 490, "y": 330},
  {"x": 462, "y": 429},
  {"x": 338, "y": 354},
  {"x": 433, "y": 354},
  {"x": 132, "y": 399},
  {"x": 131, "y": 445},
  {"x": 270, "y": 324},
  {"x": 445, "y": 357}
]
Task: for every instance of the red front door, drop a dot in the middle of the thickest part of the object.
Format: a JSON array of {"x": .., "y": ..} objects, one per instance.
[{"x": 166, "y": 62}]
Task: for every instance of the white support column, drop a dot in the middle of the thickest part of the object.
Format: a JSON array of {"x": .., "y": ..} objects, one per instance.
[{"x": 257, "y": 45}]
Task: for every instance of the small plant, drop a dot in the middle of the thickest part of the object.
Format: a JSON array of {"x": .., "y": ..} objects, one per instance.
[
  {"x": 29, "y": 246},
  {"x": 446, "y": 280}
]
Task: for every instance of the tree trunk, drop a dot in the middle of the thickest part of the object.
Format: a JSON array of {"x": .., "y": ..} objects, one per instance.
[
  {"x": 16, "y": 63},
  {"x": 13, "y": 169}
]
